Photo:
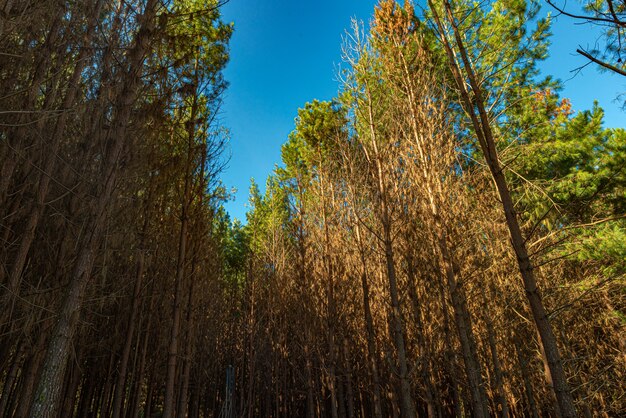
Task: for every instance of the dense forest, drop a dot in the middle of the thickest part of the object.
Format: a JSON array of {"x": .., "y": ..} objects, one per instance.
[{"x": 446, "y": 237}]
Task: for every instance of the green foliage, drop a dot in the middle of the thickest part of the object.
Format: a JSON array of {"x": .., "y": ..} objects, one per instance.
[
  {"x": 293, "y": 157},
  {"x": 268, "y": 213},
  {"x": 571, "y": 171},
  {"x": 565, "y": 170},
  {"x": 233, "y": 242},
  {"x": 194, "y": 28},
  {"x": 236, "y": 248},
  {"x": 319, "y": 127},
  {"x": 577, "y": 164},
  {"x": 503, "y": 49},
  {"x": 605, "y": 245},
  {"x": 319, "y": 124}
]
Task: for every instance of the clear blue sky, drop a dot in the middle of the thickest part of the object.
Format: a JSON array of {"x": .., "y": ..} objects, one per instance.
[{"x": 284, "y": 53}]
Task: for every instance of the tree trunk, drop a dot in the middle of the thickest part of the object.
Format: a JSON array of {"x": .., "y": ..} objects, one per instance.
[
  {"x": 348, "y": 376},
  {"x": 430, "y": 180},
  {"x": 17, "y": 136},
  {"x": 330, "y": 294},
  {"x": 486, "y": 139},
  {"x": 369, "y": 325},
  {"x": 120, "y": 385},
  {"x": 497, "y": 367},
  {"x": 528, "y": 387},
  {"x": 424, "y": 351},
  {"x": 397, "y": 326},
  {"x": 50, "y": 383},
  {"x": 468, "y": 345},
  {"x": 134, "y": 408},
  {"x": 170, "y": 393},
  {"x": 149, "y": 396},
  {"x": 86, "y": 394},
  {"x": 10, "y": 377},
  {"x": 69, "y": 398},
  {"x": 189, "y": 355},
  {"x": 28, "y": 234},
  {"x": 30, "y": 374}
]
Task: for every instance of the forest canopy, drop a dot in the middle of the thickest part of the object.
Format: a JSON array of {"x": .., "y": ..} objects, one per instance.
[{"x": 445, "y": 237}]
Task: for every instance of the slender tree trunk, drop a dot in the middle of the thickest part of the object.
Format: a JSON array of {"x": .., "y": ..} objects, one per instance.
[
  {"x": 183, "y": 398},
  {"x": 86, "y": 394},
  {"x": 139, "y": 380},
  {"x": 369, "y": 325},
  {"x": 194, "y": 410},
  {"x": 175, "y": 329},
  {"x": 69, "y": 398},
  {"x": 407, "y": 407},
  {"x": 251, "y": 345},
  {"x": 528, "y": 387},
  {"x": 310, "y": 406},
  {"x": 424, "y": 352},
  {"x": 341, "y": 397},
  {"x": 486, "y": 139},
  {"x": 149, "y": 397},
  {"x": 449, "y": 362},
  {"x": 18, "y": 136},
  {"x": 348, "y": 375},
  {"x": 189, "y": 355},
  {"x": 330, "y": 294},
  {"x": 107, "y": 392},
  {"x": 42, "y": 185},
  {"x": 120, "y": 385},
  {"x": 501, "y": 400},
  {"x": 431, "y": 182},
  {"x": 302, "y": 274},
  {"x": 29, "y": 377},
  {"x": 468, "y": 344},
  {"x": 11, "y": 376},
  {"x": 48, "y": 390},
  {"x": 170, "y": 393}
]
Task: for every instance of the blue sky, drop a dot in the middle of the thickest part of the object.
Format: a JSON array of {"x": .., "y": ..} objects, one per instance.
[{"x": 285, "y": 53}]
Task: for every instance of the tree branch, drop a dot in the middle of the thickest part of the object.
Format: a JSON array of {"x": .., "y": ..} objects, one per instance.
[{"x": 601, "y": 63}]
